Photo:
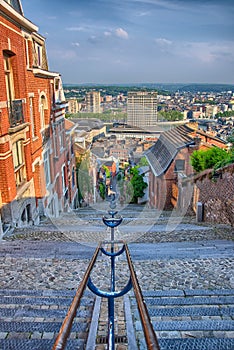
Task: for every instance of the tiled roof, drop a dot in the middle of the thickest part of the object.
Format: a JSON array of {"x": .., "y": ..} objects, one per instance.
[
  {"x": 167, "y": 146},
  {"x": 69, "y": 124}
]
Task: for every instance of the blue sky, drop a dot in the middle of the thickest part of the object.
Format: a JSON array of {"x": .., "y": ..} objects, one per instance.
[{"x": 134, "y": 41}]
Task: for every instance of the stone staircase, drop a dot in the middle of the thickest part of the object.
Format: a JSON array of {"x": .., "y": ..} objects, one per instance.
[
  {"x": 182, "y": 319},
  {"x": 30, "y": 320},
  {"x": 189, "y": 319}
]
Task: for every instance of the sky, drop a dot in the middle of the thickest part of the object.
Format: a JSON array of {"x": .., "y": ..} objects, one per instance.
[{"x": 137, "y": 41}]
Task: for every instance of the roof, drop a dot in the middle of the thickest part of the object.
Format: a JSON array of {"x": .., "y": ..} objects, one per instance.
[
  {"x": 69, "y": 124},
  {"x": 98, "y": 151},
  {"x": 161, "y": 155},
  {"x": 88, "y": 124}
]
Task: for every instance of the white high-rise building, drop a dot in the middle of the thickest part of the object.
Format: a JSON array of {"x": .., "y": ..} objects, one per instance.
[{"x": 142, "y": 108}]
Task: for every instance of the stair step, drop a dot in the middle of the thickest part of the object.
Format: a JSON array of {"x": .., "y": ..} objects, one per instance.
[
  {"x": 201, "y": 325},
  {"x": 196, "y": 344},
  {"x": 38, "y": 344},
  {"x": 39, "y": 301},
  {"x": 221, "y": 300},
  {"x": 188, "y": 319},
  {"x": 38, "y": 327},
  {"x": 45, "y": 293},
  {"x": 187, "y": 292},
  {"x": 191, "y": 311},
  {"x": 31, "y": 319},
  {"x": 42, "y": 313}
]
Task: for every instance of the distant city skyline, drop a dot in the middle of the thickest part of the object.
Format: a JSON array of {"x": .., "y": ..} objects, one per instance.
[{"x": 135, "y": 41}]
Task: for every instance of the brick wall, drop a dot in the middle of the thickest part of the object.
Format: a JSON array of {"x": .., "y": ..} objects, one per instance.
[{"x": 215, "y": 193}]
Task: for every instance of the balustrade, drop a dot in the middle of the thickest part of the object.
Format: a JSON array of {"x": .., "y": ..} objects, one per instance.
[{"x": 112, "y": 222}]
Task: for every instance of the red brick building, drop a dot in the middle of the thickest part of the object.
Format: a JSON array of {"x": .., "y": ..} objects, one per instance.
[
  {"x": 167, "y": 158},
  {"x": 33, "y": 152},
  {"x": 169, "y": 161}
]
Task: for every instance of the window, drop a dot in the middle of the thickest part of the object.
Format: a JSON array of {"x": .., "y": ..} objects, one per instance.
[
  {"x": 27, "y": 53},
  {"x": 64, "y": 179},
  {"x": 43, "y": 106},
  {"x": 32, "y": 115},
  {"x": 17, "y": 150},
  {"x": 179, "y": 165},
  {"x": 18, "y": 161},
  {"x": 38, "y": 50},
  {"x": 73, "y": 177},
  {"x": 46, "y": 159},
  {"x": 55, "y": 142},
  {"x": 61, "y": 136},
  {"x": 9, "y": 76}
]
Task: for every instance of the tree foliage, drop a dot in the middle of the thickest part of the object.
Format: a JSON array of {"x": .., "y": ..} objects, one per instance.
[
  {"x": 84, "y": 180},
  {"x": 207, "y": 159},
  {"x": 143, "y": 162},
  {"x": 102, "y": 190},
  {"x": 170, "y": 115},
  {"x": 226, "y": 114},
  {"x": 138, "y": 184}
]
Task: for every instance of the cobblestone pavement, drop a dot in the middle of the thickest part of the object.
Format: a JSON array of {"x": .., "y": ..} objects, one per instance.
[
  {"x": 55, "y": 255},
  {"x": 47, "y": 257}
]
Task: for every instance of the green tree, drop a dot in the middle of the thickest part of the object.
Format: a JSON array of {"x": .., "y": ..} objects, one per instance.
[
  {"x": 143, "y": 162},
  {"x": 138, "y": 184},
  {"x": 84, "y": 180},
  {"x": 202, "y": 160},
  {"x": 170, "y": 115},
  {"x": 102, "y": 190},
  {"x": 107, "y": 171}
]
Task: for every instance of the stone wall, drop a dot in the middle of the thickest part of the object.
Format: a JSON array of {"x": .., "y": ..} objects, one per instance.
[{"x": 216, "y": 193}]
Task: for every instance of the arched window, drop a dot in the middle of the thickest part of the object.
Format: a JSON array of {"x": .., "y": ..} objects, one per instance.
[{"x": 42, "y": 108}]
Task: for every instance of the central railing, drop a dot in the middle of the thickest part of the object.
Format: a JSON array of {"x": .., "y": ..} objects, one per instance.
[{"x": 150, "y": 336}]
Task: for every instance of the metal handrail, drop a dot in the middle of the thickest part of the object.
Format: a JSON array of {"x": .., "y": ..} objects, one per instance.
[
  {"x": 65, "y": 329},
  {"x": 150, "y": 336}
]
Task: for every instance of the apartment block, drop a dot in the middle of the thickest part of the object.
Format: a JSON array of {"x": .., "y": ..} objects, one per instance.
[
  {"x": 93, "y": 102},
  {"x": 32, "y": 131},
  {"x": 142, "y": 109},
  {"x": 73, "y": 106}
]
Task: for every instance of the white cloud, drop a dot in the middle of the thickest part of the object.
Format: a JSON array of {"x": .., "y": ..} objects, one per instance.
[
  {"x": 76, "y": 29},
  {"x": 121, "y": 33},
  {"x": 163, "y": 42},
  {"x": 143, "y": 14},
  {"x": 76, "y": 44},
  {"x": 209, "y": 52},
  {"x": 205, "y": 52},
  {"x": 107, "y": 33}
]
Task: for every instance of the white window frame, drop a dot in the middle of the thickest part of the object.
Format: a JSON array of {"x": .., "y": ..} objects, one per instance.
[
  {"x": 63, "y": 179},
  {"x": 38, "y": 49},
  {"x": 46, "y": 161},
  {"x": 31, "y": 111},
  {"x": 9, "y": 77},
  {"x": 18, "y": 161},
  {"x": 27, "y": 53}
]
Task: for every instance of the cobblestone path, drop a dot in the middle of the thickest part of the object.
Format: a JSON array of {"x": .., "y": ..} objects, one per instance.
[{"x": 168, "y": 254}]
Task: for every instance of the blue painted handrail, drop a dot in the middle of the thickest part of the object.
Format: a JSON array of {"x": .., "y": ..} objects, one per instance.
[{"x": 151, "y": 340}]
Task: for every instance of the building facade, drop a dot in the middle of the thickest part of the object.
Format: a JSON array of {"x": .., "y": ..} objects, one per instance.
[
  {"x": 73, "y": 106},
  {"x": 142, "y": 109},
  {"x": 32, "y": 133},
  {"x": 93, "y": 102}
]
